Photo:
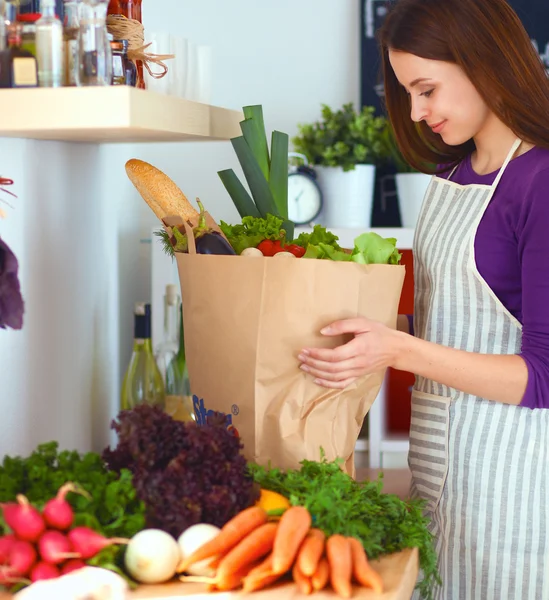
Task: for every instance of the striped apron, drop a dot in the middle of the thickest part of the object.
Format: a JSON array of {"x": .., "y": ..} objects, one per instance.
[{"x": 481, "y": 466}]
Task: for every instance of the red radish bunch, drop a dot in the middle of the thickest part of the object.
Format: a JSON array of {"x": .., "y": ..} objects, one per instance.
[{"x": 42, "y": 545}]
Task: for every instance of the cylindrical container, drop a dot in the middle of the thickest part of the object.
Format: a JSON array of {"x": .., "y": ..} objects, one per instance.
[
  {"x": 347, "y": 195},
  {"x": 28, "y": 31},
  {"x": 49, "y": 46},
  {"x": 124, "y": 71}
]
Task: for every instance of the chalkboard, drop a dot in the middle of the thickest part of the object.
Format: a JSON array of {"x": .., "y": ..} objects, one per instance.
[{"x": 535, "y": 17}]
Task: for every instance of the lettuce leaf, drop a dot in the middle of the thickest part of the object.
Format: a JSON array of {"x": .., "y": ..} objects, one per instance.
[
  {"x": 252, "y": 231},
  {"x": 319, "y": 235},
  {"x": 371, "y": 248},
  {"x": 324, "y": 251}
]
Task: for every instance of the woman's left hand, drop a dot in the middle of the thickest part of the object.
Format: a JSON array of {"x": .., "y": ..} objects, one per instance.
[{"x": 373, "y": 348}]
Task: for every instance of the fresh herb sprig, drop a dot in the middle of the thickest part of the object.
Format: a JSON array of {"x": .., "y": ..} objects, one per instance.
[{"x": 339, "y": 504}]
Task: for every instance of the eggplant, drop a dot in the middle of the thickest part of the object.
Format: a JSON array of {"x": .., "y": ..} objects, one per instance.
[
  {"x": 207, "y": 240},
  {"x": 213, "y": 243}
]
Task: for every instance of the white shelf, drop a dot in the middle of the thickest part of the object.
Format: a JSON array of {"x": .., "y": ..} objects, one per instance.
[
  {"x": 404, "y": 237},
  {"x": 116, "y": 114}
]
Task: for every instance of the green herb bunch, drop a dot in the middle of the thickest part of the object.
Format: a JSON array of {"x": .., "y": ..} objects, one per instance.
[
  {"x": 113, "y": 508},
  {"x": 339, "y": 504},
  {"x": 344, "y": 138}
]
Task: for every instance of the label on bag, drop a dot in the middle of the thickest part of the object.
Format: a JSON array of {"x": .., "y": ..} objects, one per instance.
[{"x": 202, "y": 413}]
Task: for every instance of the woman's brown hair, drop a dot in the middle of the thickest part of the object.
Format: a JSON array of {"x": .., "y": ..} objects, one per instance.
[{"x": 488, "y": 41}]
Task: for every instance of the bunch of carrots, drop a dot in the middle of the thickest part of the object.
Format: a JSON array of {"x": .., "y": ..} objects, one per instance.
[{"x": 251, "y": 552}]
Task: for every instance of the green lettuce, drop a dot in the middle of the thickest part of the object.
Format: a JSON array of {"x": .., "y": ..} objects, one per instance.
[
  {"x": 319, "y": 235},
  {"x": 372, "y": 249},
  {"x": 252, "y": 231},
  {"x": 327, "y": 252}
]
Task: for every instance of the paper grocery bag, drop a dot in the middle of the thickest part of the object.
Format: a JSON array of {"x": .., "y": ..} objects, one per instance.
[{"x": 246, "y": 320}]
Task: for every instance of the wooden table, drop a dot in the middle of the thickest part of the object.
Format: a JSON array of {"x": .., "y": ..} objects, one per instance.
[{"x": 398, "y": 571}]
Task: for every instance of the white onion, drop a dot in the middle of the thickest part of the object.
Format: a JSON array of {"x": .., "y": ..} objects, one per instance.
[
  {"x": 191, "y": 540},
  {"x": 152, "y": 556}
]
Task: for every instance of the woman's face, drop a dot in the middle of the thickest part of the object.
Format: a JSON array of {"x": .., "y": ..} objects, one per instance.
[{"x": 442, "y": 96}]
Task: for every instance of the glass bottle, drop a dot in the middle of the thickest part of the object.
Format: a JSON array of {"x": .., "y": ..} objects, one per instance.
[
  {"x": 177, "y": 377},
  {"x": 49, "y": 46},
  {"x": 124, "y": 71},
  {"x": 131, "y": 9},
  {"x": 142, "y": 382},
  {"x": 17, "y": 66},
  {"x": 170, "y": 356},
  {"x": 71, "y": 26},
  {"x": 94, "y": 49}
]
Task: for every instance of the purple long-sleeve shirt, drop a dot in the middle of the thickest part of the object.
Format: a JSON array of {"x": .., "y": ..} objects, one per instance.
[{"x": 512, "y": 255}]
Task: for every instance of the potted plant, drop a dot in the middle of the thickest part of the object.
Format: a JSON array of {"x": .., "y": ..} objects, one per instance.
[
  {"x": 411, "y": 184},
  {"x": 344, "y": 147}
]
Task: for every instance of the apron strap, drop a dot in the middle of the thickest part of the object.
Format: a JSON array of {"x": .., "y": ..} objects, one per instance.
[{"x": 514, "y": 148}]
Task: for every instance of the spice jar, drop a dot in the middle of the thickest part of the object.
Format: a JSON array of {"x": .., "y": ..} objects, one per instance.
[
  {"x": 124, "y": 71},
  {"x": 28, "y": 31}
]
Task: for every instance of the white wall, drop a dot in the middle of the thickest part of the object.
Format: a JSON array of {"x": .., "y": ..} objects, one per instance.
[{"x": 83, "y": 260}]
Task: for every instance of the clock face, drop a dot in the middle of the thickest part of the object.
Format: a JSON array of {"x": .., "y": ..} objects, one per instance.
[{"x": 304, "y": 198}]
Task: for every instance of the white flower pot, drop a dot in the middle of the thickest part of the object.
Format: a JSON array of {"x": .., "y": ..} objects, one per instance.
[
  {"x": 411, "y": 188},
  {"x": 348, "y": 196}
]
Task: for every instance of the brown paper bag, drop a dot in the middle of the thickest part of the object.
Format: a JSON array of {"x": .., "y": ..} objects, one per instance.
[{"x": 247, "y": 318}]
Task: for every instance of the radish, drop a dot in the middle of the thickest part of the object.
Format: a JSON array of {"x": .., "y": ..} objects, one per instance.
[
  {"x": 54, "y": 547},
  {"x": 43, "y": 570},
  {"x": 87, "y": 543},
  {"x": 57, "y": 512},
  {"x": 72, "y": 565},
  {"x": 23, "y": 519},
  {"x": 9, "y": 576},
  {"x": 22, "y": 557},
  {"x": 6, "y": 542},
  {"x": 152, "y": 556}
]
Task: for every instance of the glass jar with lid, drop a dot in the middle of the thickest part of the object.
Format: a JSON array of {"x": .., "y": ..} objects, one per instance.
[
  {"x": 124, "y": 71},
  {"x": 28, "y": 31}
]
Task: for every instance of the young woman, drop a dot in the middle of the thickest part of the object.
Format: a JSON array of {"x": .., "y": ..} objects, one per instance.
[{"x": 466, "y": 90}]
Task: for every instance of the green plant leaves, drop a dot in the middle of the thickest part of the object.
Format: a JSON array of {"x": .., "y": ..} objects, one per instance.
[{"x": 344, "y": 138}]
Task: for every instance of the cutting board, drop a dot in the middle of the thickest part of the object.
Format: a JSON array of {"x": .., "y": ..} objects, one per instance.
[{"x": 398, "y": 571}]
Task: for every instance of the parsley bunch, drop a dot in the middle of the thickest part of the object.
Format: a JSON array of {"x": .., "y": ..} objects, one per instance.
[{"x": 339, "y": 504}]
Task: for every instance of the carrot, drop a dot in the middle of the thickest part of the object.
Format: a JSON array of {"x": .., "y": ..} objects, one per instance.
[
  {"x": 261, "y": 576},
  {"x": 338, "y": 550},
  {"x": 310, "y": 552},
  {"x": 258, "y": 583},
  {"x": 292, "y": 529},
  {"x": 303, "y": 582},
  {"x": 234, "y": 580},
  {"x": 266, "y": 566},
  {"x": 230, "y": 535},
  {"x": 253, "y": 547},
  {"x": 321, "y": 575},
  {"x": 362, "y": 571}
]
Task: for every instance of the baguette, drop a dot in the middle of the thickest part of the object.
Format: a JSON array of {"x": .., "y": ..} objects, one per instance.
[{"x": 159, "y": 191}]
